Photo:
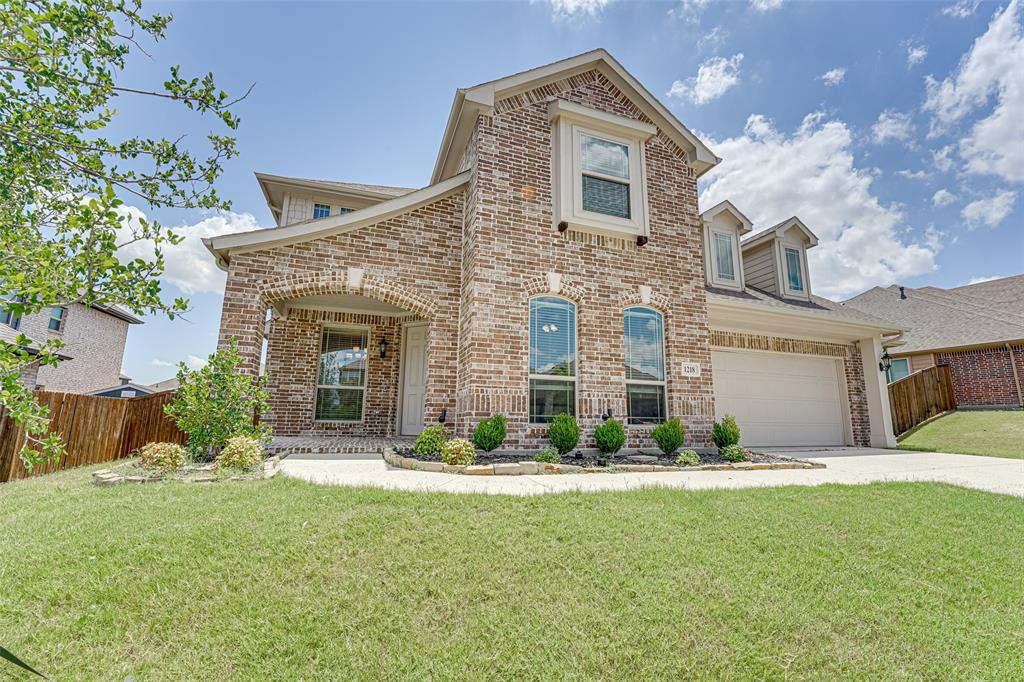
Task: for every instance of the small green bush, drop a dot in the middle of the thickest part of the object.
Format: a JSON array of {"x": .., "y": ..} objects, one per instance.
[
  {"x": 725, "y": 432},
  {"x": 490, "y": 433},
  {"x": 241, "y": 452},
  {"x": 166, "y": 457},
  {"x": 430, "y": 441},
  {"x": 610, "y": 437},
  {"x": 688, "y": 458},
  {"x": 669, "y": 436},
  {"x": 564, "y": 433},
  {"x": 548, "y": 456},
  {"x": 734, "y": 453},
  {"x": 458, "y": 451}
]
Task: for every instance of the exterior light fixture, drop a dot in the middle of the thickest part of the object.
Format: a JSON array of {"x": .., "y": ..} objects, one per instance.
[
  {"x": 383, "y": 348},
  {"x": 885, "y": 364},
  {"x": 444, "y": 415}
]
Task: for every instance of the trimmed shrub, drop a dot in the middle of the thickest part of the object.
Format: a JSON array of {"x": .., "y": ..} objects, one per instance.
[
  {"x": 548, "y": 456},
  {"x": 166, "y": 457},
  {"x": 241, "y": 452},
  {"x": 430, "y": 441},
  {"x": 564, "y": 433},
  {"x": 725, "y": 432},
  {"x": 610, "y": 437},
  {"x": 490, "y": 433},
  {"x": 669, "y": 436},
  {"x": 734, "y": 453},
  {"x": 688, "y": 458},
  {"x": 458, "y": 451}
]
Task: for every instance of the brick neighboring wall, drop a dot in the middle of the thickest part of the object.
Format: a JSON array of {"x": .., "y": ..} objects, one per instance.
[
  {"x": 93, "y": 340},
  {"x": 853, "y": 372},
  {"x": 983, "y": 377}
]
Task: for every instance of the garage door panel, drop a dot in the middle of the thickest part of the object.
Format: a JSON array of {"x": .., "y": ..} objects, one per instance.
[{"x": 780, "y": 399}]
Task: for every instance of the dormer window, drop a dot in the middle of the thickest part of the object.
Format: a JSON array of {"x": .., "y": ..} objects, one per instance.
[
  {"x": 321, "y": 211},
  {"x": 598, "y": 170},
  {"x": 794, "y": 271},
  {"x": 725, "y": 258},
  {"x": 723, "y": 225}
]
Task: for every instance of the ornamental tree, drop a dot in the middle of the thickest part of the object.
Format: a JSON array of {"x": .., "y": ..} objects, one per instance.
[{"x": 63, "y": 180}]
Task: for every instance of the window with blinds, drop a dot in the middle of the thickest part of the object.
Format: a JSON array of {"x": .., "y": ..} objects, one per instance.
[
  {"x": 605, "y": 176},
  {"x": 552, "y": 358},
  {"x": 341, "y": 378},
  {"x": 645, "y": 366}
]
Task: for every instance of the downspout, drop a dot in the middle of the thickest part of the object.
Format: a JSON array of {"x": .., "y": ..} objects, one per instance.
[{"x": 1016, "y": 376}]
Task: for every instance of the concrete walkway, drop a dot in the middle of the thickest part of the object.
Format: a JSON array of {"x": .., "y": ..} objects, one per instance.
[{"x": 993, "y": 474}]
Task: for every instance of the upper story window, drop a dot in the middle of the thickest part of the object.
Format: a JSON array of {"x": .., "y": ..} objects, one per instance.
[
  {"x": 7, "y": 317},
  {"x": 341, "y": 380},
  {"x": 321, "y": 210},
  {"x": 724, "y": 263},
  {"x": 598, "y": 170},
  {"x": 645, "y": 365},
  {"x": 794, "y": 270},
  {"x": 343, "y": 210},
  {"x": 552, "y": 358},
  {"x": 900, "y": 368},
  {"x": 57, "y": 316}
]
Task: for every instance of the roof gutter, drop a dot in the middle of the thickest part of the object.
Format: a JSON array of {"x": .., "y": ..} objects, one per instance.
[{"x": 881, "y": 328}]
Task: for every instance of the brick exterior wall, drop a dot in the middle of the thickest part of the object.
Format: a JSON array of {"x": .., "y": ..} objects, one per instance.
[
  {"x": 983, "y": 377},
  {"x": 853, "y": 373},
  {"x": 92, "y": 339}
]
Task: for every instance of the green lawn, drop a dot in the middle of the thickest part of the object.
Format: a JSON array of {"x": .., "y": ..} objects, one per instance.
[
  {"x": 992, "y": 433},
  {"x": 287, "y": 580}
]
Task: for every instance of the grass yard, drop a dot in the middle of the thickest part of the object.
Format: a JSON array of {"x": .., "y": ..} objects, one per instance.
[
  {"x": 992, "y": 433},
  {"x": 287, "y": 580}
]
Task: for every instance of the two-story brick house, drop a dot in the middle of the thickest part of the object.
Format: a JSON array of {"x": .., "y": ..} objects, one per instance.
[{"x": 557, "y": 262}]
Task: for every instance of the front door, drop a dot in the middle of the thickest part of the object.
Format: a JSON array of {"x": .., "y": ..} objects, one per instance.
[{"x": 414, "y": 378}]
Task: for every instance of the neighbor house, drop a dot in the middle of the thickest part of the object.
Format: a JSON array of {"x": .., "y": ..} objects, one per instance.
[
  {"x": 977, "y": 329},
  {"x": 93, "y": 337},
  {"x": 556, "y": 262}
]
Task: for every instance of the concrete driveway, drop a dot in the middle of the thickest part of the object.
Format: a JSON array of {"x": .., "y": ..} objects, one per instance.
[{"x": 992, "y": 474}]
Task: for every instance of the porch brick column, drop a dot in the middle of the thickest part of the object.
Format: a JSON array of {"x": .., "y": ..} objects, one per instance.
[
  {"x": 877, "y": 391},
  {"x": 243, "y": 316}
]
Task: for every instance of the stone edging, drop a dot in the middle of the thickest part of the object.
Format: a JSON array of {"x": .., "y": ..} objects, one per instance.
[
  {"x": 271, "y": 467},
  {"x": 396, "y": 460}
]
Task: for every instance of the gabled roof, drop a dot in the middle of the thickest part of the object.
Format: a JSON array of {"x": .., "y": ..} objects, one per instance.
[
  {"x": 223, "y": 245},
  {"x": 354, "y": 194},
  {"x": 130, "y": 386},
  {"x": 942, "y": 319},
  {"x": 118, "y": 312},
  {"x": 480, "y": 99},
  {"x": 728, "y": 207},
  {"x": 764, "y": 235}
]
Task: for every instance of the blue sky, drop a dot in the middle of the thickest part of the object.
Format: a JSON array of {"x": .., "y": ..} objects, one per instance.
[{"x": 892, "y": 129}]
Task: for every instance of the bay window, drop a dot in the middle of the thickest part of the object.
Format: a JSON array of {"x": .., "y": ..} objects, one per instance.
[
  {"x": 341, "y": 379},
  {"x": 552, "y": 358},
  {"x": 645, "y": 366}
]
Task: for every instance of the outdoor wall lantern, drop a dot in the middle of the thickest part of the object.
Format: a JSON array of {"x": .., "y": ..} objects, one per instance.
[
  {"x": 886, "y": 362},
  {"x": 383, "y": 348}
]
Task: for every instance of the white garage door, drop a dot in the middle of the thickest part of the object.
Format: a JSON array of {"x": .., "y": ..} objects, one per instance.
[{"x": 779, "y": 399}]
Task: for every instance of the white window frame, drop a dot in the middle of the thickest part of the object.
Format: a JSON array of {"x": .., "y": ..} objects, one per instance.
[
  {"x": 805, "y": 293},
  {"x": 716, "y": 278},
  {"x": 317, "y": 204},
  {"x": 550, "y": 377},
  {"x": 569, "y": 123},
  {"x": 664, "y": 367},
  {"x": 366, "y": 376}
]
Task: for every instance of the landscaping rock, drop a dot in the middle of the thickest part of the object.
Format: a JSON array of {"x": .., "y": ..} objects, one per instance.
[
  {"x": 480, "y": 470},
  {"x": 507, "y": 469},
  {"x": 408, "y": 463},
  {"x": 530, "y": 468},
  {"x": 453, "y": 468},
  {"x": 436, "y": 467},
  {"x": 642, "y": 459},
  {"x": 636, "y": 467}
]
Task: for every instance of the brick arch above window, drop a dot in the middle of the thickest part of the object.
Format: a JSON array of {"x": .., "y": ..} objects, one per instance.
[
  {"x": 372, "y": 286},
  {"x": 538, "y": 286},
  {"x": 658, "y": 302}
]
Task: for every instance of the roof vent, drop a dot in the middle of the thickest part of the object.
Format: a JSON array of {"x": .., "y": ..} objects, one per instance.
[{"x": 903, "y": 294}]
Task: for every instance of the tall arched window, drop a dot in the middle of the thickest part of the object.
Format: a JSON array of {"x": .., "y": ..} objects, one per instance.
[
  {"x": 552, "y": 358},
  {"x": 645, "y": 366}
]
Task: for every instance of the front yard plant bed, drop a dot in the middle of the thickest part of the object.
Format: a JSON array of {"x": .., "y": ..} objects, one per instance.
[
  {"x": 130, "y": 471},
  {"x": 513, "y": 463}
]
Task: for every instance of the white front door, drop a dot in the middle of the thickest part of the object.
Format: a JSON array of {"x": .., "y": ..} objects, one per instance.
[{"x": 414, "y": 378}]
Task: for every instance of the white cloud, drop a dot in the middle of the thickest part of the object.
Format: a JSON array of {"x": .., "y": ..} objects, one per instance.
[
  {"x": 833, "y": 76},
  {"x": 940, "y": 157},
  {"x": 713, "y": 38},
  {"x": 913, "y": 175},
  {"x": 979, "y": 280},
  {"x": 714, "y": 78},
  {"x": 764, "y": 6},
  {"x": 891, "y": 125},
  {"x": 961, "y": 9},
  {"x": 991, "y": 68},
  {"x": 195, "y": 362},
  {"x": 770, "y": 175},
  {"x": 689, "y": 10},
  {"x": 570, "y": 10},
  {"x": 188, "y": 265},
  {"x": 916, "y": 54},
  {"x": 989, "y": 211},
  {"x": 161, "y": 363},
  {"x": 943, "y": 198}
]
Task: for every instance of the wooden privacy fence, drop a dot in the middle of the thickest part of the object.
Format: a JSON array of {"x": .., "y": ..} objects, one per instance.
[
  {"x": 920, "y": 396},
  {"x": 93, "y": 429}
]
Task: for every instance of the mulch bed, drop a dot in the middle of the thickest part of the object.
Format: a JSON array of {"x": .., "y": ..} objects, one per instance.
[{"x": 590, "y": 459}]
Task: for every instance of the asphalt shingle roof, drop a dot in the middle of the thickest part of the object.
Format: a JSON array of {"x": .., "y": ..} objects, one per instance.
[
  {"x": 971, "y": 315},
  {"x": 817, "y": 304}
]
